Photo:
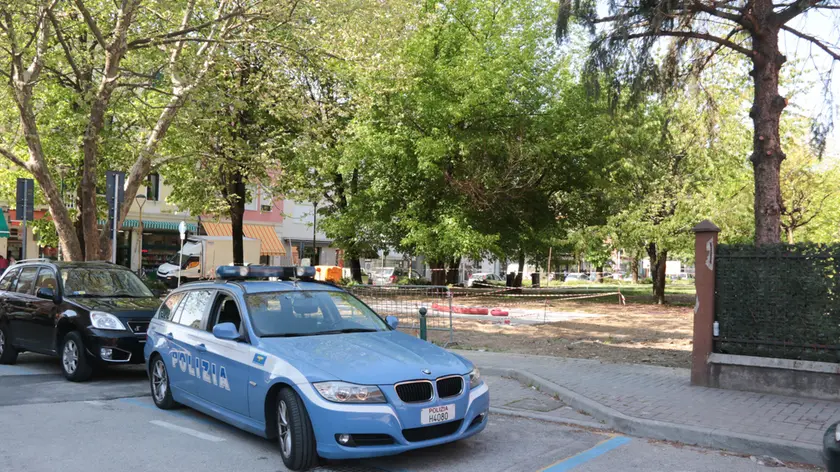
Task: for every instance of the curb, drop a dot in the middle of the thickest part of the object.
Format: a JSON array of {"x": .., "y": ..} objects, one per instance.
[{"x": 782, "y": 449}]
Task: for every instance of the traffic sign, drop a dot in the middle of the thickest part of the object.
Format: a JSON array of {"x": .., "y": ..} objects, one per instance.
[{"x": 25, "y": 199}]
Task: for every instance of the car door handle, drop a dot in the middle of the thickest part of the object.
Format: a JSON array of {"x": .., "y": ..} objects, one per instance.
[
  {"x": 169, "y": 336},
  {"x": 201, "y": 348}
]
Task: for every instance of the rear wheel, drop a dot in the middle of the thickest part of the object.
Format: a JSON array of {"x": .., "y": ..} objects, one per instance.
[
  {"x": 294, "y": 431},
  {"x": 8, "y": 354},
  {"x": 74, "y": 361},
  {"x": 159, "y": 380}
]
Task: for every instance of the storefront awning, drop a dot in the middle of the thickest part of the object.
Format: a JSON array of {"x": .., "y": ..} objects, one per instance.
[
  {"x": 4, "y": 227},
  {"x": 271, "y": 245},
  {"x": 159, "y": 225}
]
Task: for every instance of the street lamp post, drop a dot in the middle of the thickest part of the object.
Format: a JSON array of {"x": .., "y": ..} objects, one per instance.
[{"x": 141, "y": 200}]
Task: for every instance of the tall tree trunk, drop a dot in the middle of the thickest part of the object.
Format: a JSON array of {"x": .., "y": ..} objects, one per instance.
[
  {"x": 658, "y": 260},
  {"x": 599, "y": 274},
  {"x": 356, "y": 269},
  {"x": 634, "y": 268},
  {"x": 517, "y": 280},
  {"x": 438, "y": 272},
  {"x": 766, "y": 113},
  {"x": 789, "y": 232},
  {"x": 237, "y": 216},
  {"x": 659, "y": 285},
  {"x": 452, "y": 271}
]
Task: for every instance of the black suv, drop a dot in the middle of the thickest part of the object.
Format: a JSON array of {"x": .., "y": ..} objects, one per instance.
[{"x": 90, "y": 314}]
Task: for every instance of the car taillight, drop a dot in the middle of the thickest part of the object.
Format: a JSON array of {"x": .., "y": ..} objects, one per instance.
[{"x": 393, "y": 279}]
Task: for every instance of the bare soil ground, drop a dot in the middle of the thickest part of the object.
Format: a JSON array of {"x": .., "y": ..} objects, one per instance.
[{"x": 633, "y": 333}]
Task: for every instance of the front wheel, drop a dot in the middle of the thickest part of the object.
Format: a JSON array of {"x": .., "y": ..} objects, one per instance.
[
  {"x": 8, "y": 354},
  {"x": 74, "y": 361},
  {"x": 294, "y": 430},
  {"x": 159, "y": 380}
]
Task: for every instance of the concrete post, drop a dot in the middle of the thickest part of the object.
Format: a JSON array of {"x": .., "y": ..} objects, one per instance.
[{"x": 705, "y": 246}]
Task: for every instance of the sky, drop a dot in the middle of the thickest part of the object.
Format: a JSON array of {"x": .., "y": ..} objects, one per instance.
[
  {"x": 808, "y": 58},
  {"x": 800, "y": 53}
]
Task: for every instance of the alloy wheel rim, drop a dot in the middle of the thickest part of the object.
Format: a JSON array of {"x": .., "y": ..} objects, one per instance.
[
  {"x": 70, "y": 357},
  {"x": 159, "y": 381},
  {"x": 285, "y": 433}
]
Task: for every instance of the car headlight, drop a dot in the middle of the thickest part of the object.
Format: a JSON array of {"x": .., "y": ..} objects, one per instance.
[
  {"x": 475, "y": 378},
  {"x": 102, "y": 320},
  {"x": 343, "y": 392}
]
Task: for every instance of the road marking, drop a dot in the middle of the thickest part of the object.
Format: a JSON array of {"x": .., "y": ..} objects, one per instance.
[
  {"x": 11, "y": 370},
  {"x": 580, "y": 458},
  {"x": 185, "y": 413},
  {"x": 94, "y": 403},
  {"x": 191, "y": 432}
]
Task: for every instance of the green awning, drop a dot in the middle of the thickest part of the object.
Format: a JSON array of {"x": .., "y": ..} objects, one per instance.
[
  {"x": 4, "y": 227},
  {"x": 152, "y": 224}
]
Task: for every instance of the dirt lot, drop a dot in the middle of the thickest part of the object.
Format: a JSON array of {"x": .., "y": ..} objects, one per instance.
[{"x": 634, "y": 333}]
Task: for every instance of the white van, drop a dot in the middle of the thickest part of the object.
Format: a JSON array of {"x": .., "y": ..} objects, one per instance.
[{"x": 201, "y": 255}]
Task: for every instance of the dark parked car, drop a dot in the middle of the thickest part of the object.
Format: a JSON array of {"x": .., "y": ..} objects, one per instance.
[{"x": 90, "y": 314}]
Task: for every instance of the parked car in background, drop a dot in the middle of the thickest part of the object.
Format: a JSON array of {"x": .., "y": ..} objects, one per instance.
[
  {"x": 89, "y": 314},
  {"x": 348, "y": 274},
  {"x": 576, "y": 276},
  {"x": 484, "y": 278},
  {"x": 391, "y": 275}
]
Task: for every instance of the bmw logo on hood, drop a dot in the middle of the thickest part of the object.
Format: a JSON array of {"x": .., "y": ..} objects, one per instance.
[{"x": 427, "y": 371}]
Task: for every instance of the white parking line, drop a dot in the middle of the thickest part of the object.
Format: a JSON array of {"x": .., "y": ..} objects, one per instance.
[
  {"x": 94, "y": 403},
  {"x": 191, "y": 432}
]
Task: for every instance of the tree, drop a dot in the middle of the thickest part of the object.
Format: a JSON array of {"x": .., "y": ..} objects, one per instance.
[
  {"x": 809, "y": 189},
  {"x": 101, "y": 66},
  {"x": 626, "y": 44},
  {"x": 477, "y": 135},
  {"x": 228, "y": 130}
]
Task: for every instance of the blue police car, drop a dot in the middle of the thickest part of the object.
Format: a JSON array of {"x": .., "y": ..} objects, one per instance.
[{"x": 309, "y": 364}]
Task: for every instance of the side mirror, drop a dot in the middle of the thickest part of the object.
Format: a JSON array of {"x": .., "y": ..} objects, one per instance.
[
  {"x": 226, "y": 331},
  {"x": 47, "y": 294},
  {"x": 392, "y": 321}
]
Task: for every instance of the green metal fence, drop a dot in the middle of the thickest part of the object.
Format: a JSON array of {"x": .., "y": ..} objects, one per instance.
[{"x": 778, "y": 301}]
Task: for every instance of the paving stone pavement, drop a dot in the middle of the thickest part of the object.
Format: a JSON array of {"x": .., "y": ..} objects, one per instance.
[
  {"x": 664, "y": 394},
  {"x": 512, "y": 395}
]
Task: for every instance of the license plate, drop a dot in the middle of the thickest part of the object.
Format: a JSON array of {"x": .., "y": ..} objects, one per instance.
[{"x": 437, "y": 414}]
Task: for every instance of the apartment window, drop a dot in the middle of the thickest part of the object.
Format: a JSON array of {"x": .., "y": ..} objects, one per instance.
[
  {"x": 252, "y": 203},
  {"x": 265, "y": 203},
  {"x": 153, "y": 188}
]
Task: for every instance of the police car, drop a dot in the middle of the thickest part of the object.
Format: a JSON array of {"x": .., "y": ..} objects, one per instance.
[{"x": 310, "y": 365}]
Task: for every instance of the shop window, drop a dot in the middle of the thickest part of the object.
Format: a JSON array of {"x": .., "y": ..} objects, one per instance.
[{"x": 153, "y": 187}]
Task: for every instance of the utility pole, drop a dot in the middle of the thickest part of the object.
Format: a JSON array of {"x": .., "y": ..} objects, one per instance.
[
  {"x": 314, "y": 232},
  {"x": 548, "y": 269}
]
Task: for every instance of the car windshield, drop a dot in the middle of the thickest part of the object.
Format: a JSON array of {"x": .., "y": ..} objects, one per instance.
[
  {"x": 287, "y": 314},
  {"x": 102, "y": 283}
]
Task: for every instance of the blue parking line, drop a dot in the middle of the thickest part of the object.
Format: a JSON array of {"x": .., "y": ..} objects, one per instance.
[{"x": 579, "y": 459}]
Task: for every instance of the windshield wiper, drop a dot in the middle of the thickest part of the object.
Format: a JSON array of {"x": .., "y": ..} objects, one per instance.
[
  {"x": 350, "y": 330},
  {"x": 288, "y": 335},
  {"x": 90, "y": 295}
]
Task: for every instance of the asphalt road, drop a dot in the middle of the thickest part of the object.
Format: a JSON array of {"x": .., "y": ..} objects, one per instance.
[{"x": 111, "y": 423}]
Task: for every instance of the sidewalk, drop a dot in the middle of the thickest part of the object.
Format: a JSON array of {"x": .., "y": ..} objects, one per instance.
[{"x": 659, "y": 403}]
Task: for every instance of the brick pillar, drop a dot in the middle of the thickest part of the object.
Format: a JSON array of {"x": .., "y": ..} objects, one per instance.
[{"x": 705, "y": 246}]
